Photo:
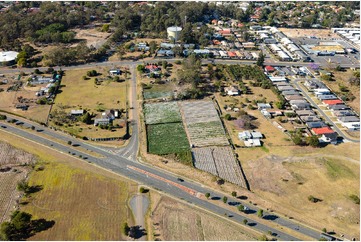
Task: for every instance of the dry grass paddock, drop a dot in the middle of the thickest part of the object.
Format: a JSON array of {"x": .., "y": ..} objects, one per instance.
[
  {"x": 86, "y": 202},
  {"x": 172, "y": 220}
]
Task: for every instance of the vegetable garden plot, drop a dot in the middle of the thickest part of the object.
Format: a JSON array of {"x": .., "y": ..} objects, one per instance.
[
  {"x": 167, "y": 138},
  {"x": 166, "y": 112},
  {"x": 219, "y": 161},
  {"x": 203, "y": 124}
]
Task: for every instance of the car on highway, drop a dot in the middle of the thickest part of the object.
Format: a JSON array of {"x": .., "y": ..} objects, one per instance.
[
  {"x": 2, "y": 126},
  {"x": 180, "y": 179}
]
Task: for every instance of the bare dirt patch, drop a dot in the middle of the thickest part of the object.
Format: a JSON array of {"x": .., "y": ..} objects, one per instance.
[
  {"x": 320, "y": 33},
  {"x": 93, "y": 37}
]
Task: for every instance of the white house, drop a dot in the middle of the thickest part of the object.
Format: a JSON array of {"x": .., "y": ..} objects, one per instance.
[{"x": 231, "y": 91}]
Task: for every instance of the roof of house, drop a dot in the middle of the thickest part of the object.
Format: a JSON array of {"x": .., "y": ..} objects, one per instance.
[
  {"x": 316, "y": 124},
  {"x": 349, "y": 119},
  {"x": 269, "y": 68},
  {"x": 257, "y": 135},
  {"x": 231, "y": 89},
  {"x": 332, "y": 102},
  {"x": 263, "y": 105},
  {"x": 304, "y": 112},
  {"x": 324, "y": 130},
  {"x": 252, "y": 142},
  {"x": 338, "y": 107}
]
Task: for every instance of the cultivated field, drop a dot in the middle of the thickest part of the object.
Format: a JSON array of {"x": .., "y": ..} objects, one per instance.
[
  {"x": 203, "y": 124},
  {"x": 175, "y": 221},
  {"x": 167, "y": 138},
  {"x": 10, "y": 174},
  {"x": 219, "y": 161},
  {"x": 166, "y": 112},
  {"x": 320, "y": 33},
  {"x": 158, "y": 91}
]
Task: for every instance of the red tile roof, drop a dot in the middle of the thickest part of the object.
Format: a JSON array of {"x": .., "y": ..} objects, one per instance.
[
  {"x": 332, "y": 102},
  {"x": 324, "y": 130},
  {"x": 270, "y": 68},
  {"x": 231, "y": 54}
]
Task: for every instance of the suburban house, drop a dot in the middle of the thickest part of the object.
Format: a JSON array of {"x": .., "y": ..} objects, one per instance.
[
  {"x": 318, "y": 124},
  {"x": 294, "y": 97},
  {"x": 292, "y": 92},
  {"x": 278, "y": 84},
  {"x": 231, "y": 91},
  {"x": 286, "y": 88},
  {"x": 332, "y": 102},
  {"x": 348, "y": 119},
  {"x": 77, "y": 112},
  {"x": 305, "y": 112},
  {"x": 338, "y": 107},
  {"x": 341, "y": 113},
  {"x": 269, "y": 69},
  {"x": 299, "y": 104},
  {"x": 327, "y": 134},
  {"x": 310, "y": 119},
  {"x": 326, "y": 97},
  {"x": 251, "y": 138},
  {"x": 352, "y": 126},
  {"x": 101, "y": 121},
  {"x": 262, "y": 106},
  {"x": 321, "y": 91}
]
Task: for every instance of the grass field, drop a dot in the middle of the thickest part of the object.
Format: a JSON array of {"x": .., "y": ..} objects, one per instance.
[
  {"x": 77, "y": 93},
  {"x": 167, "y": 112},
  {"x": 86, "y": 202},
  {"x": 175, "y": 221},
  {"x": 167, "y": 138},
  {"x": 158, "y": 91}
]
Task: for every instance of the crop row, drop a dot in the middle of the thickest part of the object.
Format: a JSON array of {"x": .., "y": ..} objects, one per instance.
[
  {"x": 165, "y": 112},
  {"x": 218, "y": 161},
  {"x": 167, "y": 138}
]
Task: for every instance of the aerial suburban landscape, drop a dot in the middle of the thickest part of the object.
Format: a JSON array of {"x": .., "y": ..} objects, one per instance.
[{"x": 171, "y": 121}]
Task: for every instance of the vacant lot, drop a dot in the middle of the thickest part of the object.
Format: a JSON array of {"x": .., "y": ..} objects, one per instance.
[
  {"x": 159, "y": 91},
  {"x": 167, "y": 138},
  {"x": 328, "y": 174},
  {"x": 172, "y": 220},
  {"x": 327, "y": 48},
  {"x": 319, "y": 33},
  {"x": 77, "y": 93},
  {"x": 203, "y": 124},
  {"x": 167, "y": 112},
  {"x": 342, "y": 78},
  {"x": 93, "y": 37}
]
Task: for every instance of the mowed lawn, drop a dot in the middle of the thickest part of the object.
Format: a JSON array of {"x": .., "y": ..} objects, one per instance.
[
  {"x": 167, "y": 138},
  {"x": 84, "y": 205},
  {"x": 79, "y": 93}
]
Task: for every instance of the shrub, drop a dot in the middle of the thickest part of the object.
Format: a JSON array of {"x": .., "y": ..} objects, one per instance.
[
  {"x": 355, "y": 199},
  {"x": 313, "y": 199},
  {"x": 207, "y": 195},
  {"x": 228, "y": 116}
]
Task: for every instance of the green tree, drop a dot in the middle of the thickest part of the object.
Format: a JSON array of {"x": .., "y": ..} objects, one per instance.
[
  {"x": 140, "y": 68},
  {"x": 21, "y": 62},
  {"x": 240, "y": 208},
  {"x": 6, "y": 230},
  {"x": 21, "y": 220},
  {"x": 313, "y": 141},
  {"x": 105, "y": 28},
  {"x": 225, "y": 199},
  {"x": 260, "y": 213},
  {"x": 207, "y": 195},
  {"x": 234, "y": 194},
  {"x": 228, "y": 116},
  {"x": 260, "y": 60},
  {"x": 23, "y": 186},
  {"x": 125, "y": 228},
  {"x": 263, "y": 237},
  {"x": 86, "y": 118}
]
